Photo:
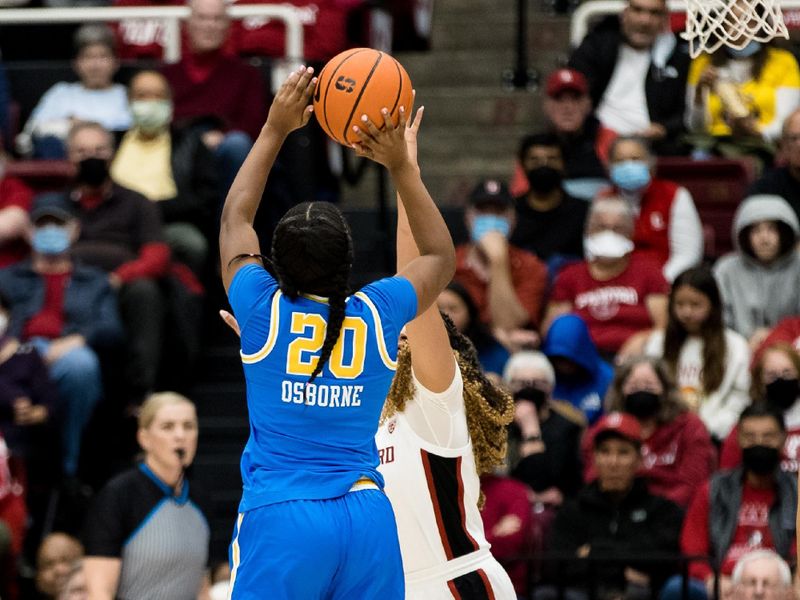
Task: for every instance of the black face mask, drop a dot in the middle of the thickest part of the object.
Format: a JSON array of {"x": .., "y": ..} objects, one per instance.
[
  {"x": 642, "y": 405},
  {"x": 92, "y": 171},
  {"x": 531, "y": 394},
  {"x": 761, "y": 460},
  {"x": 782, "y": 393},
  {"x": 544, "y": 180}
]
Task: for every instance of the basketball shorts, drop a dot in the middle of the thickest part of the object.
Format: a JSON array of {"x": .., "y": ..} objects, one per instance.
[{"x": 339, "y": 548}]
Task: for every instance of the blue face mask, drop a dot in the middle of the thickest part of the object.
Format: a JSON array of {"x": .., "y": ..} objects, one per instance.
[
  {"x": 746, "y": 52},
  {"x": 50, "y": 239},
  {"x": 630, "y": 175},
  {"x": 483, "y": 224}
]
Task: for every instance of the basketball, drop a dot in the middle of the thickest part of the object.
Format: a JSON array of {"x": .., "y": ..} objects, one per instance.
[{"x": 357, "y": 82}]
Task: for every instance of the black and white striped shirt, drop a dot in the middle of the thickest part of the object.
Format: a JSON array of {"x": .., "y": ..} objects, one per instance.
[{"x": 161, "y": 538}]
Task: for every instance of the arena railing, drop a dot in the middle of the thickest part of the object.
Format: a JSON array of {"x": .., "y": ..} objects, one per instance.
[
  {"x": 588, "y": 12},
  {"x": 549, "y": 570},
  {"x": 292, "y": 18}
]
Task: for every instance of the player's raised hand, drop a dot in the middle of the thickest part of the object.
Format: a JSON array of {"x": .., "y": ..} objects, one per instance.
[
  {"x": 412, "y": 129},
  {"x": 290, "y": 109},
  {"x": 387, "y": 146}
]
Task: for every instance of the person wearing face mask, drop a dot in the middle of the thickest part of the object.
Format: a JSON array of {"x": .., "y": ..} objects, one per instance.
[
  {"x": 617, "y": 293},
  {"x": 760, "y": 278},
  {"x": 775, "y": 383},
  {"x": 169, "y": 166},
  {"x": 584, "y": 142},
  {"x": 506, "y": 282},
  {"x": 547, "y": 431},
  {"x": 121, "y": 233},
  {"x": 616, "y": 517},
  {"x": 668, "y": 227},
  {"x": 740, "y": 510},
  {"x": 677, "y": 453},
  {"x": 549, "y": 222},
  {"x": 739, "y": 98},
  {"x": 582, "y": 376},
  {"x": 68, "y": 312}
]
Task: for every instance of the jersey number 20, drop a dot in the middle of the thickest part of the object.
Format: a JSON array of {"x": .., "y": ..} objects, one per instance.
[{"x": 301, "y": 357}]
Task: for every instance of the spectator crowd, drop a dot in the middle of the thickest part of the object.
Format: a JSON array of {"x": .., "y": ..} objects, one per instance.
[{"x": 656, "y": 442}]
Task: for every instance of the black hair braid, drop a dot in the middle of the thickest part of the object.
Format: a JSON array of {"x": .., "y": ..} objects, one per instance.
[
  {"x": 336, "y": 303},
  {"x": 312, "y": 252}
]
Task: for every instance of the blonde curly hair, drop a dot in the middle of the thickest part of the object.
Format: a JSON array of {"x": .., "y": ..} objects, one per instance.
[{"x": 489, "y": 409}]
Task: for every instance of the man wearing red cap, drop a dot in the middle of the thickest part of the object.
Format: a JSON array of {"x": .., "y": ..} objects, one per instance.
[
  {"x": 584, "y": 142},
  {"x": 617, "y": 519}
]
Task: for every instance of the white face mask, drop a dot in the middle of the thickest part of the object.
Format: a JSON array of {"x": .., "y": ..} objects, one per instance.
[
  {"x": 3, "y": 323},
  {"x": 606, "y": 244}
]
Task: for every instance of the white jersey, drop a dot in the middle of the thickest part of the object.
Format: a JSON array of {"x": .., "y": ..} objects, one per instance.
[{"x": 434, "y": 491}]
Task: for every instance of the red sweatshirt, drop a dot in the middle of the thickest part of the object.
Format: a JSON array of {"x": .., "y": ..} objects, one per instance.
[
  {"x": 506, "y": 496},
  {"x": 232, "y": 91},
  {"x": 676, "y": 459}
]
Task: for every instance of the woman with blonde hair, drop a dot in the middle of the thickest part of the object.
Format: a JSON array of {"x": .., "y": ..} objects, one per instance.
[
  {"x": 145, "y": 537},
  {"x": 677, "y": 453}
]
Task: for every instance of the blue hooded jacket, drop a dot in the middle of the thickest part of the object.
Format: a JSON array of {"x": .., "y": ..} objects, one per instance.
[{"x": 568, "y": 337}]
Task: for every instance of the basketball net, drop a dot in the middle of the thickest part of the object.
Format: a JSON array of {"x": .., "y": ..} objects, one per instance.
[{"x": 710, "y": 24}]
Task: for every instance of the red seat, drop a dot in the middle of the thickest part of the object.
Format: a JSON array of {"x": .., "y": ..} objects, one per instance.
[
  {"x": 718, "y": 186},
  {"x": 42, "y": 175}
]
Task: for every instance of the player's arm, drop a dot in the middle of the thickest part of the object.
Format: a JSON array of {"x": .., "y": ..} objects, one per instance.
[
  {"x": 102, "y": 576},
  {"x": 289, "y": 111},
  {"x": 433, "y": 269},
  {"x": 431, "y": 355}
]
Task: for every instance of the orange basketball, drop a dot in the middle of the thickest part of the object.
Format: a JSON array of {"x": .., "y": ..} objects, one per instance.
[{"x": 357, "y": 82}]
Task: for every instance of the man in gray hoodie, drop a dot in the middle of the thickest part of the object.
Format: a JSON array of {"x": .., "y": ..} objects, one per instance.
[{"x": 760, "y": 281}]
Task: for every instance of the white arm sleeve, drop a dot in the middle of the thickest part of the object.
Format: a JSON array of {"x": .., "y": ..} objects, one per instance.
[
  {"x": 696, "y": 116},
  {"x": 439, "y": 418},
  {"x": 787, "y": 99},
  {"x": 685, "y": 236}
]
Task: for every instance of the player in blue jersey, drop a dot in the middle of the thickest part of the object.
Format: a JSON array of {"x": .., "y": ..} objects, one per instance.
[{"x": 314, "y": 521}]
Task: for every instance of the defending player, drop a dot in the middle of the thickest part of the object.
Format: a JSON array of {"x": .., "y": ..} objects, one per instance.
[
  {"x": 443, "y": 423},
  {"x": 318, "y": 363}
]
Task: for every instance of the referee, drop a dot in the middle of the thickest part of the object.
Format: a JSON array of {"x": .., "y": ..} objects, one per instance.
[{"x": 145, "y": 537}]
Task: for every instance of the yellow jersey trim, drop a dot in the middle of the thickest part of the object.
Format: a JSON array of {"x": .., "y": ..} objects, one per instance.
[
  {"x": 385, "y": 357},
  {"x": 235, "y": 553},
  {"x": 272, "y": 337}
]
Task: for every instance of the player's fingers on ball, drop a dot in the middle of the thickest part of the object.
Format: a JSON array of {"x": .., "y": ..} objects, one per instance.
[
  {"x": 403, "y": 120},
  {"x": 370, "y": 126},
  {"x": 309, "y": 91},
  {"x": 387, "y": 119},
  {"x": 363, "y": 135}
]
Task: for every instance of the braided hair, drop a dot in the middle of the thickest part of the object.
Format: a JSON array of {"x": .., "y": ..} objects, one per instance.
[
  {"x": 312, "y": 252},
  {"x": 488, "y": 408}
]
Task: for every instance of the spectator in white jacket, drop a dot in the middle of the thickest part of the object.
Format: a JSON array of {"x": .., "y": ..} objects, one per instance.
[{"x": 709, "y": 362}]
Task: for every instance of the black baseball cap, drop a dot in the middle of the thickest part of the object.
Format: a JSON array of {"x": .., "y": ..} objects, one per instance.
[
  {"x": 491, "y": 191},
  {"x": 52, "y": 204}
]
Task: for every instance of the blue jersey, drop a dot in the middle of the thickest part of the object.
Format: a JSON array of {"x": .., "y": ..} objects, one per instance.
[{"x": 313, "y": 441}]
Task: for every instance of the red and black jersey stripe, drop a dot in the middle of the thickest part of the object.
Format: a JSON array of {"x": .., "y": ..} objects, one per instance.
[
  {"x": 446, "y": 489},
  {"x": 471, "y": 586}
]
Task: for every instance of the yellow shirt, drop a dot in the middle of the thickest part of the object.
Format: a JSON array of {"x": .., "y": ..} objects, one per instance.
[
  {"x": 771, "y": 98},
  {"x": 145, "y": 166}
]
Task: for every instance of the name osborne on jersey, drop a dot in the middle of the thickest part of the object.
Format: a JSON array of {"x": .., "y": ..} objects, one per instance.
[{"x": 321, "y": 394}]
